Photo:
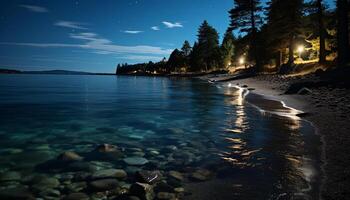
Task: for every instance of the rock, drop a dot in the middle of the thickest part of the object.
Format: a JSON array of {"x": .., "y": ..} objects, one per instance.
[
  {"x": 20, "y": 193},
  {"x": 165, "y": 195},
  {"x": 176, "y": 175},
  {"x": 142, "y": 190},
  {"x": 77, "y": 196},
  {"x": 50, "y": 194},
  {"x": 69, "y": 156},
  {"x": 76, "y": 187},
  {"x": 109, "y": 173},
  {"x": 304, "y": 91},
  {"x": 245, "y": 86},
  {"x": 149, "y": 177},
  {"x": 106, "y": 148},
  {"x": 201, "y": 175},
  {"x": 10, "y": 176},
  {"x": 46, "y": 183},
  {"x": 179, "y": 190},
  {"x": 135, "y": 161},
  {"x": 104, "y": 184}
]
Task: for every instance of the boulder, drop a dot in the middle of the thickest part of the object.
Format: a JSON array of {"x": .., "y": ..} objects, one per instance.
[
  {"x": 77, "y": 196},
  {"x": 10, "y": 176},
  {"x": 142, "y": 190}
]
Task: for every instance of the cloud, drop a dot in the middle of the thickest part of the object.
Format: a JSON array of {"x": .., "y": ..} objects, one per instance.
[
  {"x": 34, "y": 8},
  {"x": 141, "y": 58},
  {"x": 70, "y": 24},
  {"x": 172, "y": 25},
  {"x": 155, "y": 28},
  {"x": 132, "y": 32},
  {"x": 92, "y": 41}
]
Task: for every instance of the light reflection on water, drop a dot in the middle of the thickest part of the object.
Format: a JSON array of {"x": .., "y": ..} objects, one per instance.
[{"x": 192, "y": 125}]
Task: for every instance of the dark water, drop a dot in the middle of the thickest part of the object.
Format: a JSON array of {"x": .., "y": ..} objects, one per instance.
[{"x": 182, "y": 125}]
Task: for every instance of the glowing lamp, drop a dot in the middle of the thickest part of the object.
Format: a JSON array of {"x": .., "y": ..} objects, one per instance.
[
  {"x": 241, "y": 61},
  {"x": 301, "y": 49}
]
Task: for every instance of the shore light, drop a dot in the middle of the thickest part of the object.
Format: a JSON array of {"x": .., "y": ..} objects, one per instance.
[
  {"x": 241, "y": 60},
  {"x": 301, "y": 49}
]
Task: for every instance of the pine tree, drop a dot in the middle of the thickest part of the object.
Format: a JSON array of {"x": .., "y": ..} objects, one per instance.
[
  {"x": 208, "y": 46},
  {"x": 317, "y": 8},
  {"x": 227, "y": 48},
  {"x": 186, "y": 48},
  {"x": 176, "y": 61},
  {"x": 343, "y": 33},
  {"x": 245, "y": 17},
  {"x": 284, "y": 24}
]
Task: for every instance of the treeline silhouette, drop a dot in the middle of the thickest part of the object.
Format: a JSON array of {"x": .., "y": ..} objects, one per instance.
[{"x": 272, "y": 37}]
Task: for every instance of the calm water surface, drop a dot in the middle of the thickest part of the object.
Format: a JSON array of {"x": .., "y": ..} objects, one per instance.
[{"x": 222, "y": 146}]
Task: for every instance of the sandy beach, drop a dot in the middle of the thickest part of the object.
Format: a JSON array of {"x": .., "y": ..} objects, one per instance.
[{"x": 327, "y": 109}]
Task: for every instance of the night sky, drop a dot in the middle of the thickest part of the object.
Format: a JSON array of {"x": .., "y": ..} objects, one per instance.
[{"x": 96, "y": 35}]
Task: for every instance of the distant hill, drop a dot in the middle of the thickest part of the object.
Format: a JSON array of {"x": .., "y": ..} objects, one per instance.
[
  {"x": 65, "y": 72},
  {"x": 59, "y": 72},
  {"x": 9, "y": 71}
]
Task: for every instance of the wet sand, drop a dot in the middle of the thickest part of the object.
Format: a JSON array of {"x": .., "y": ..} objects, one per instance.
[{"x": 328, "y": 109}]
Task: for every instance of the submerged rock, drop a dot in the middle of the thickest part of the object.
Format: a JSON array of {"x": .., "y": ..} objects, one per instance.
[
  {"x": 46, "y": 183},
  {"x": 142, "y": 190},
  {"x": 106, "y": 148},
  {"x": 10, "y": 176},
  {"x": 104, "y": 184},
  {"x": 165, "y": 195},
  {"x": 149, "y": 177},
  {"x": 77, "y": 196},
  {"x": 176, "y": 175},
  {"x": 19, "y": 193},
  {"x": 69, "y": 156},
  {"x": 109, "y": 173},
  {"x": 135, "y": 161},
  {"x": 201, "y": 175}
]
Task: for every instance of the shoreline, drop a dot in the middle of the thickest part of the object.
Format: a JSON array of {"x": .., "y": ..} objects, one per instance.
[{"x": 327, "y": 110}]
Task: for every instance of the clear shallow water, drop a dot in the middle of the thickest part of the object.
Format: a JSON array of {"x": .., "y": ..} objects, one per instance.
[{"x": 224, "y": 147}]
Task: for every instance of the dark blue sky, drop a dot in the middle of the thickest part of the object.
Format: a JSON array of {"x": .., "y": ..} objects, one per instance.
[{"x": 95, "y": 35}]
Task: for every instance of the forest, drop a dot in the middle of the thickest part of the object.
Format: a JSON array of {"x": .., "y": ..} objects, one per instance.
[{"x": 275, "y": 37}]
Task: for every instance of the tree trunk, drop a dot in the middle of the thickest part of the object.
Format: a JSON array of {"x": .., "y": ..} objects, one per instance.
[
  {"x": 321, "y": 29},
  {"x": 291, "y": 51},
  {"x": 342, "y": 33},
  {"x": 278, "y": 60}
]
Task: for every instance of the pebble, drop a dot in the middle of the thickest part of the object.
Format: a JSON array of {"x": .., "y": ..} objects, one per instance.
[
  {"x": 104, "y": 184},
  {"x": 176, "y": 175},
  {"x": 165, "y": 195},
  {"x": 201, "y": 175},
  {"x": 77, "y": 196},
  {"x": 135, "y": 161},
  {"x": 19, "y": 193},
  {"x": 109, "y": 173}
]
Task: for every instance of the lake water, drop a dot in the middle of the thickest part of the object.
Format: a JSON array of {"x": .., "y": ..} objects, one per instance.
[{"x": 205, "y": 140}]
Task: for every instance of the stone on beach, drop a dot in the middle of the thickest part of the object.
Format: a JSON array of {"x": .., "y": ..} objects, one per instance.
[
  {"x": 165, "y": 195},
  {"x": 201, "y": 175},
  {"x": 135, "y": 161}
]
